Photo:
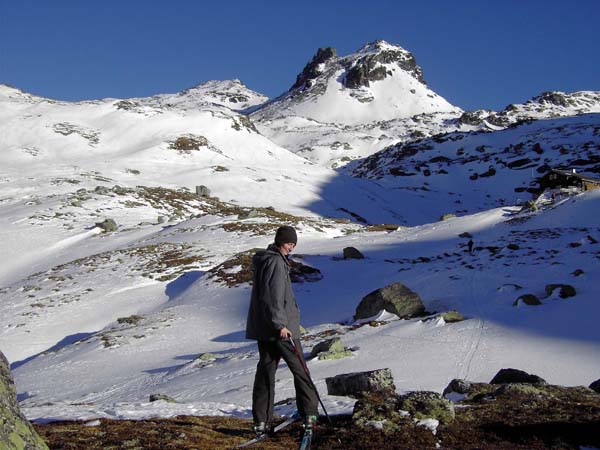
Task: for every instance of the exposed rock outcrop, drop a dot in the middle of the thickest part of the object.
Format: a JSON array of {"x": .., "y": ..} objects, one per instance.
[
  {"x": 16, "y": 433},
  {"x": 311, "y": 70}
]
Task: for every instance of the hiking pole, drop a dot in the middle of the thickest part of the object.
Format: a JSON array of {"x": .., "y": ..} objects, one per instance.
[{"x": 305, "y": 367}]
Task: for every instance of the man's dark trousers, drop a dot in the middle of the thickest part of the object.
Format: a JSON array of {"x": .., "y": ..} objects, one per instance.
[{"x": 263, "y": 395}]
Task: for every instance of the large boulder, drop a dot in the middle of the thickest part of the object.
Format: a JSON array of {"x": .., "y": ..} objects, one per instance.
[
  {"x": 16, "y": 433},
  {"x": 357, "y": 383},
  {"x": 516, "y": 376},
  {"x": 395, "y": 298},
  {"x": 595, "y": 386}
]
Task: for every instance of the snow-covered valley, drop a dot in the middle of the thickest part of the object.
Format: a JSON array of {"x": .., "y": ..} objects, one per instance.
[{"x": 95, "y": 320}]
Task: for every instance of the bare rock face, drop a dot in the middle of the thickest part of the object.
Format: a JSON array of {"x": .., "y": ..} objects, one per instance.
[
  {"x": 311, "y": 70},
  {"x": 356, "y": 383},
  {"x": 371, "y": 67},
  {"x": 16, "y": 433},
  {"x": 395, "y": 298}
]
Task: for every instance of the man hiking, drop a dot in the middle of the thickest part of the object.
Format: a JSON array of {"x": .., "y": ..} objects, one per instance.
[{"x": 274, "y": 319}]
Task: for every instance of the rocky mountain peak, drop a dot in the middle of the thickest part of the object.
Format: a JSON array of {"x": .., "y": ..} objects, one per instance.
[
  {"x": 371, "y": 60},
  {"x": 313, "y": 69}
]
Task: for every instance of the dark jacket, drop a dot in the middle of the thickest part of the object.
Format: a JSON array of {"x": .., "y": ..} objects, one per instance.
[{"x": 272, "y": 304}]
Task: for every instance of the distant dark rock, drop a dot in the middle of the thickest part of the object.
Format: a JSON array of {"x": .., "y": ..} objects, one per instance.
[
  {"x": 352, "y": 253},
  {"x": 466, "y": 234},
  {"x": 163, "y": 397},
  {"x": 202, "y": 191},
  {"x": 512, "y": 247},
  {"x": 356, "y": 383},
  {"x": 528, "y": 299},
  {"x": 566, "y": 290},
  {"x": 519, "y": 163},
  {"x": 458, "y": 386},
  {"x": 472, "y": 118},
  {"x": 249, "y": 214},
  {"x": 102, "y": 190},
  {"x": 395, "y": 298},
  {"x": 16, "y": 433},
  {"x": 554, "y": 98},
  {"x": 577, "y": 272},
  {"x": 107, "y": 225},
  {"x": 516, "y": 376}
]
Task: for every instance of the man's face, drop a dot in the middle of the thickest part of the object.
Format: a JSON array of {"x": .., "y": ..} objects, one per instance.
[{"x": 287, "y": 248}]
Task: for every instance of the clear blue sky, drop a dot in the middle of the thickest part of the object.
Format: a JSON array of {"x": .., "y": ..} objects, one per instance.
[{"x": 476, "y": 54}]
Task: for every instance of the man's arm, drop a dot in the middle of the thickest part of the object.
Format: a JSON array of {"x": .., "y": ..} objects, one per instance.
[{"x": 275, "y": 280}]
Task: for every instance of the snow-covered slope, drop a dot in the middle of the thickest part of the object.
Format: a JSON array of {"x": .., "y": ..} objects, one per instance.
[
  {"x": 95, "y": 321},
  {"x": 232, "y": 94},
  {"x": 461, "y": 173},
  {"x": 112, "y": 372},
  {"x": 545, "y": 106}
]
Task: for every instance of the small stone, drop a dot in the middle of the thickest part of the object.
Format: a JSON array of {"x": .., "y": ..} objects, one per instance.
[
  {"x": 452, "y": 316},
  {"x": 566, "y": 290},
  {"x": 107, "y": 225},
  {"x": 528, "y": 299},
  {"x": 459, "y": 386},
  {"x": 163, "y": 397}
]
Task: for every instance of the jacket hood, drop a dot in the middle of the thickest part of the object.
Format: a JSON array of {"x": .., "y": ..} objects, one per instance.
[{"x": 262, "y": 255}]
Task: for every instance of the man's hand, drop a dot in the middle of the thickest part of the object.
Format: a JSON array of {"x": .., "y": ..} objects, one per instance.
[{"x": 285, "y": 334}]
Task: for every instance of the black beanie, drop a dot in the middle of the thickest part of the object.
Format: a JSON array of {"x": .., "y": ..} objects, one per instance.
[{"x": 285, "y": 235}]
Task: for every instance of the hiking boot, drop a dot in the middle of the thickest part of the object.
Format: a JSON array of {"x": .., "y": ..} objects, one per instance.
[
  {"x": 261, "y": 428},
  {"x": 310, "y": 422}
]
